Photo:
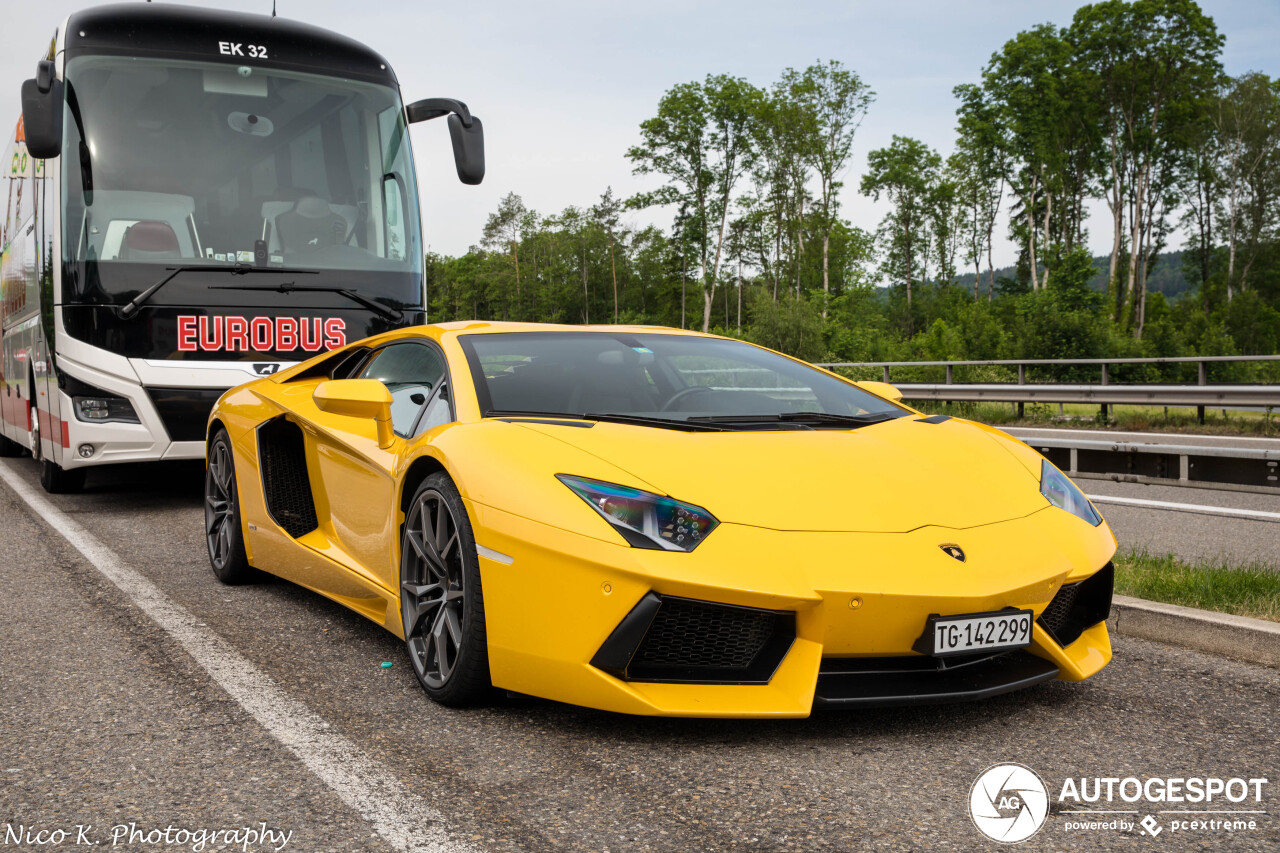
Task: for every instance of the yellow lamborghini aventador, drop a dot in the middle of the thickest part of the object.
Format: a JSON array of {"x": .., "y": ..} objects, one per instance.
[{"x": 657, "y": 522}]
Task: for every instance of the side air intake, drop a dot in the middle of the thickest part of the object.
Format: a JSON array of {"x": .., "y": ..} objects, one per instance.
[
  {"x": 1079, "y": 606},
  {"x": 285, "y": 483},
  {"x": 671, "y": 639}
]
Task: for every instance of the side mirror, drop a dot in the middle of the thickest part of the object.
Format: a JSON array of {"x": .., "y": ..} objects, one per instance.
[
  {"x": 468, "y": 149},
  {"x": 465, "y": 130},
  {"x": 367, "y": 399},
  {"x": 881, "y": 389},
  {"x": 42, "y": 112}
]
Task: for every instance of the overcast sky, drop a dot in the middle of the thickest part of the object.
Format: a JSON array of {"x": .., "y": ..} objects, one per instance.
[{"x": 563, "y": 86}]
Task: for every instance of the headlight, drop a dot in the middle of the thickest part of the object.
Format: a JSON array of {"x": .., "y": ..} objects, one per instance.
[
  {"x": 644, "y": 519},
  {"x": 105, "y": 409},
  {"x": 1064, "y": 494}
]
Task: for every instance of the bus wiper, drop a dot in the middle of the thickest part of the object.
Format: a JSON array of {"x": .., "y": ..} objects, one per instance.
[
  {"x": 390, "y": 314},
  {"x": 633, "y": 420},
  {"x": 801, "y": 418},
  {"x": 131, "y": 307}
]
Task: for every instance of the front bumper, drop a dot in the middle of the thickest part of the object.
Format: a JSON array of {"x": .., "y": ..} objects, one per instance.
[{"x": 855, "y": 596}]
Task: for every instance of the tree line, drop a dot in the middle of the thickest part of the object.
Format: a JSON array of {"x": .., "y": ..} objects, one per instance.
[{"x": 1127, "y": 105}]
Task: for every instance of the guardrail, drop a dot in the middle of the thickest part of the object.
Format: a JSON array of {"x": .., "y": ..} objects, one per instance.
[
  {"x": 1202, "y": 395},
  {"x": 1235, "y": 469}
]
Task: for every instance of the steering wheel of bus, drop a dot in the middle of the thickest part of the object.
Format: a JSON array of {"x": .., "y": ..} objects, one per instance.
[{"x": 682, "y": 394}]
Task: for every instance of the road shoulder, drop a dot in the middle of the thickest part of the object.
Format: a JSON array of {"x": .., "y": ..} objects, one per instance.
[{"x": 1240, "y": 637}]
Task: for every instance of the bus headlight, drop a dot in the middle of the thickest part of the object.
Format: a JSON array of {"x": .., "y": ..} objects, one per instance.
[{"x": 105, "y": 408}]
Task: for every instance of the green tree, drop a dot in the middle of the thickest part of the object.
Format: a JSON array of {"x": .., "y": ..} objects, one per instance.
[
  {"x": 1046, "y": 120},
  {"x": 505, "y": 230},
  {"x": 906, "y": 174},
  {"x": 980, "y": 165},
  {"x": 1155, "y": 63},
  {"x": 1247, "y": 120},
  {"x": 701, "y": 142},
  {"x": 831, "y": 102},
  {"x": 793, "y": 325},
  {"x": 607, "y": 214}
]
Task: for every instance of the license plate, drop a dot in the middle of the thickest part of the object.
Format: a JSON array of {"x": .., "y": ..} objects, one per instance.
[{"x": 981, "y": 632}]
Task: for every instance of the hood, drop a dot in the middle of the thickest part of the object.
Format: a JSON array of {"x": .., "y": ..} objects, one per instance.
[{"x": 888, "y": 477}]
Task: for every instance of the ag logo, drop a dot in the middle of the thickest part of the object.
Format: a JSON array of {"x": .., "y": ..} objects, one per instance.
[
  {"x": 265, "y": 369},
  {"x": 1008, "y": 803},
  {"x": 953, "y": 551}
]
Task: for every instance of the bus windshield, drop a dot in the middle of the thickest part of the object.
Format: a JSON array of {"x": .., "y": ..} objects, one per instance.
[{"x": 173, "y": 162}]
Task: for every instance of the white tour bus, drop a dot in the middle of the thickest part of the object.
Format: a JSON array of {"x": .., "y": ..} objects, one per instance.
[{"x": 196, "y": 198}]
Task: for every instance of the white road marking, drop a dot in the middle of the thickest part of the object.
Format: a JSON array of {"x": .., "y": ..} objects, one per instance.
[
  {"x": 406, "y": 823},
  {"x": 1201, "y": 509}
]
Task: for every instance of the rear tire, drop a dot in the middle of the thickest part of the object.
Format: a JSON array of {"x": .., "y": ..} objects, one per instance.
[
  {"x": 441, "y": 603},
  {"x": 57, "y": 480},
  {"x": 223, "y": 534},
  {"x": 33, "y": 431}
]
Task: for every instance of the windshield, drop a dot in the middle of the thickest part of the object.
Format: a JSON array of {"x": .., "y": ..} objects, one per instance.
[
  {"x": 674, "y": 377},
  {"x": 192, "y": 162}
]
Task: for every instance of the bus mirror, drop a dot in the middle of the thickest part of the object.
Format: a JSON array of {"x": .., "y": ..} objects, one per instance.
[
  {"x": 465, "y": 130},
  {"x": 468, "y": 149},
  {"x": 42, "y": 112}
]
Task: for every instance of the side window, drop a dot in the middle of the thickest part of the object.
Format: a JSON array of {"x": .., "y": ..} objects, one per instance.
[
  {"x": 410, "y": 371},
  {"x": 438, "y": 412},
  {"x": 393, "y": 201}
]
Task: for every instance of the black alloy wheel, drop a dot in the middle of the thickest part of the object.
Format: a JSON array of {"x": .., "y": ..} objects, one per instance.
[
  {"x": 440, "y": 596},
  {"x": 222, "y": 532}
]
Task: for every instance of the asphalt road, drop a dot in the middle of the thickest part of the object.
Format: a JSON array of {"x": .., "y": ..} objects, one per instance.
[
  {"x": 1195, "y": 536},
  {"x": 106, "y": 720}
]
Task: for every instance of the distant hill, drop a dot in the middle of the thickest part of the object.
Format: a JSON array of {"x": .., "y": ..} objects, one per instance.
[{"x": 1166, "y": 277}]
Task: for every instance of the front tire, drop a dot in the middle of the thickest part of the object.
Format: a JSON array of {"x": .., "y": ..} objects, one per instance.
[
  {"x": 223, "y": 534},
  {"x": 33, "y": 431},
  {"x": 441, "y": 601}
]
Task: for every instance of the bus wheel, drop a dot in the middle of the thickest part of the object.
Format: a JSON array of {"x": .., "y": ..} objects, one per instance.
[
  {"x": 34, "y": 431},
  {"x": 57, "y": 480}
]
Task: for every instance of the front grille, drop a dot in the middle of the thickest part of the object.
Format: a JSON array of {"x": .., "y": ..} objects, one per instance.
[
  {"x": 1056, "y": 614},
  {"x": 184, "y": 411},
  {"x": 692, "y": 633},
  {"x": 1079, "y": 606},
  {"x": 673, "y": 639},
  {"x": 286, "y": 485},
  {"x": 924, "y": 680}
]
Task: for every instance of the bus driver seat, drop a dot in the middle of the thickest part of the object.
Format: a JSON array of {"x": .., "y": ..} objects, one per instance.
[
  {"x": 311, "y": 222},
  {"x": 149, "y": 239}
]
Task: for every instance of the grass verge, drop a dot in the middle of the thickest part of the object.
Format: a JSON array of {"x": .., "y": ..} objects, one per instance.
[{"x": 1245, "y": 590}]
